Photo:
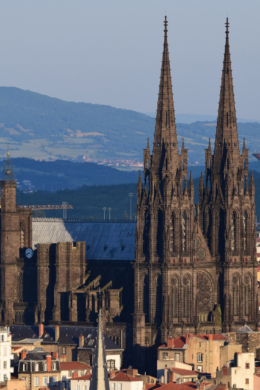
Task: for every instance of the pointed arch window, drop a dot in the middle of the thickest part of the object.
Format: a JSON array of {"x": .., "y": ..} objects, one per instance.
[
  {"x": 184, "y": 231},
  {"x": 186, "y": 301},
  {"x": 235, "y": 299},
  {"x": 233, "y": 232},
  {"x": 245, "y": 230},
  {"x": 146, "y": 232},
  {"x": 146, "y": 297},
  {"x": 172, "y": 232},
  {"x": 247, "y": 300},
  {"x": 174, "y": 298}
]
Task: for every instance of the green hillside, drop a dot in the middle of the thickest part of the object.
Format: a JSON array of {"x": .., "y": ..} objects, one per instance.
[{"x": 41, "y": 127}]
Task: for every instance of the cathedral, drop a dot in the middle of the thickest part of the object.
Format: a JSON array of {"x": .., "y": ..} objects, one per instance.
[
  {"x": 185, "y": 268},
  {"x": 195, "y": 265}
]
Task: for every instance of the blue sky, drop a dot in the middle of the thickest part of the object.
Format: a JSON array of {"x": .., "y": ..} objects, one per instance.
[{"x": 109, "y": 51}]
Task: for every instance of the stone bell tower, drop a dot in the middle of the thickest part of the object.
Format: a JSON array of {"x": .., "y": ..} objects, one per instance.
[
  {"x": 15, "y": 235},
  {"x": 227, "y": 216}
]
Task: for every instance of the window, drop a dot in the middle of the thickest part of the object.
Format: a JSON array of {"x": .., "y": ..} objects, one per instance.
[
  {"x": 4, "y": 364},
  {"x": 177, "y": 357},
  {"x": 165, "y": 355},
  {"x": 64, "y": 350},
  {"x": 78, "y": 387},
  {"x": 54, "y": 379},
  {"x": 120, "y": 386},
  {"x": 70, "y": 373},
  {"x": 3, "y": 338},
  {"x": 200, "y": 368},
  {"x": 247, "y": 365},
  {"x": 53, "y": 366},
  {"x": 247, "y": 381},
  {"x": 45, "y": 381},
  {"x": 36, "y": 381},
  {"x": 111, "y": 364},
  {"x": 199, "y": 344},
  {"x": 85, "y": 388},
  {"x": 45, "y": 367},
  {"x": 200, "y": 357},
  {"x": 5, "y": 377},
  {"x": 113, "y": 386},
  {"x": 36, "y": 367},
  {"x": 24, "y": 367}
]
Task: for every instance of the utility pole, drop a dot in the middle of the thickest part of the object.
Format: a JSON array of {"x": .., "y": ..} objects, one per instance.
[
  {"x": 130, "y": 195},
  {"x": 104, "y": 208},
  {"x": 109, "y": 210}
]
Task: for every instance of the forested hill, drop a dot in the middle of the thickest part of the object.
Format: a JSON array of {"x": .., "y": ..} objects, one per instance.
[
  {"x": 88, "y": 201},
  {"x": 41, "y": 127}
]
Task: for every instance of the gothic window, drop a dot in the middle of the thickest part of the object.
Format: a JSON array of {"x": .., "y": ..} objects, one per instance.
[
  {"x": 245, "y": 230},
  {"x": 227, "y": 118},
  {"x": 184, "y": 232},
  {"x": 146, "y": 232},
  {"x": 174, "y": 305},
  {"x": 160, "y": 233},
  {"x": 172, "y": 233},
  {"x": 244, "y": 183},
  {"x": 247, "y": 291},
  {"x": 244, "y": 163},
  {"x": 186, "y": 301},
  {"x": 233, "y": 232},
  {"x": 158, "y": 298},
  {"x": 146, "y": 297},
  {"x": 235, "y": 295}
]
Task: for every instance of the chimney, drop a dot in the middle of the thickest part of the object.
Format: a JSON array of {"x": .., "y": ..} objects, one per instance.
[
  {"x": 63, "y": 358},
  {"x": 112, "y": 374},
  {"x": 55, "y": 355},
  {"x": 81, "y": 341},
  {"x": 41, "y": 330},
  {"x": 170, "y": 342},
  {"x": 75, "y": 374},
  {"x": 131, "y": 371},
  {"x": 224, "y": 369},
  {"x": 210, "y": 337},
  {"x": 57, "y": 333},
  {"x": 23, "y": 354},
  {"x": 171, "y": 376},
  {"x": 48, "y": 360}
]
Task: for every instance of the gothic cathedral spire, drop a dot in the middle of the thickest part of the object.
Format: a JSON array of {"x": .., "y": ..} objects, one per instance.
[
  {"x": 165, "y": 137},
  {"x": 226, "y": 142}
]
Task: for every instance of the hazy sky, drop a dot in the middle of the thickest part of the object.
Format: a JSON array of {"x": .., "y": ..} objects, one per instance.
[{"x": 109, "y": 51}]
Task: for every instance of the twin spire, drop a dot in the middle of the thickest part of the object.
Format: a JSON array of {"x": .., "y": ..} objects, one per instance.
[{"x": 165, "y": 137}]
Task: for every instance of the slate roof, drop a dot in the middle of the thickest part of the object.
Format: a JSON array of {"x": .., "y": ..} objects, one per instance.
[
  {"x": 38, "y": 354},
  {"x": 104, "y": 240},
  {"x": 245, "y": 329},
  {"x": 69, "y": 335}
]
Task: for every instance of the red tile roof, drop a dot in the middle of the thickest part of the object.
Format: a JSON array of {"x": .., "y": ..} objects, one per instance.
[
  {"x": 84, "y": 377},
  {"x": 151, "y": 386},
  {"x": 180, "y": 341},
  {"x": 122, "y": 377},
  {"x": 179, "y": 386},
  {"x": 67, "y": 366},
  {"x": 182, "y": 371},
  {"x": 219, "y": 337}
]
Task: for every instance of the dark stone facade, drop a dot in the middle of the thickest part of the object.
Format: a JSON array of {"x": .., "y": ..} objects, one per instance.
[
  {"x": 195, "y": 265},
  {"x": 195, "y": 268}
]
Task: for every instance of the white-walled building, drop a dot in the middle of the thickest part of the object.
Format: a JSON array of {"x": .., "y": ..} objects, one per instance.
[
  {"x": 240, "y": 373},
  {"x": 68, "y": 371},
  {"x": 80, "y": 383},
  {"x": 5, "y": 354}
]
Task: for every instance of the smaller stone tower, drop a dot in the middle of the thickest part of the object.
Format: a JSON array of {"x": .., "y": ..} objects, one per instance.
[{"x": 16, "y": 234}]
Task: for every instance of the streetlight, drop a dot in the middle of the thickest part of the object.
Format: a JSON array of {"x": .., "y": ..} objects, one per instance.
[
  {"x": 109, "y": 210},
  {"x": 130, "y": 195},
  {"x": 104, "y": 208}
]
